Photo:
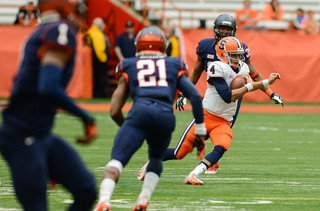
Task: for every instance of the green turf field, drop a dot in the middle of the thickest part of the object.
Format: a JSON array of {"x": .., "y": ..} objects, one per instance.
[{"x": 272, "y": 164}]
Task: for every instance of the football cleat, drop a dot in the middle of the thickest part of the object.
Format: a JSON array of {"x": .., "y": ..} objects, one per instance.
[
  {"x": 103, "y": 206},
  {"x": 213, "y": 169},
  {"x": 143, "y": 171},
  {"x": 141, "y": 204},
  {"x": 192, "y": 180}
]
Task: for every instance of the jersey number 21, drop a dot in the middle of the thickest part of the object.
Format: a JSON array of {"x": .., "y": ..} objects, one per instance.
[{"x": 146, "y": 74}]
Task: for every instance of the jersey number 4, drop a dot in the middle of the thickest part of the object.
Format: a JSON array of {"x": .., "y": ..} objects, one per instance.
[{"x": 146, "y": 73}]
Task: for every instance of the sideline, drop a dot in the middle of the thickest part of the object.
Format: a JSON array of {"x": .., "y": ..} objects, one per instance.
[{"x": 243, "y": 108}]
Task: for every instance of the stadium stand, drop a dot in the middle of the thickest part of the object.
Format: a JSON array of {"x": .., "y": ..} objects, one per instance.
[
  {"x": 9, "y": 10},
  {"x": 195, "y": 10}
]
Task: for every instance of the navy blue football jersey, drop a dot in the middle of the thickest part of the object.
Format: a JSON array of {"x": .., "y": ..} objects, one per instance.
[
  {"x": 206, "y": 49},
  {"x": 27, "y": 110},
  {"x": 153, "y": 78}
]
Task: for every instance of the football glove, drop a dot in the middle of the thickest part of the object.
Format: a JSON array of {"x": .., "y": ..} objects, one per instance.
[
  {"x": 91, "y": 131},
  {"x": 277, "y": 99},
  {"x": 180, "y": 102},
  {"x": 199, "y": 142}
]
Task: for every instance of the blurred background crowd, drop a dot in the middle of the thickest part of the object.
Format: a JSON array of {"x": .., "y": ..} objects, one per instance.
[{"x": 111, "y": 37}]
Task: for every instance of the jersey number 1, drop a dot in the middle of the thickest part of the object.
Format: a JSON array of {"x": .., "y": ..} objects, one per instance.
[{"x": 147, "y": 68}]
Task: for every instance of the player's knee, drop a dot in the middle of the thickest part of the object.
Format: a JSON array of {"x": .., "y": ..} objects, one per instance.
[
  {"x": 219, "y": 149},
  {"x": 113, "y": 170},
  {"x": 215, "y": 155},
  {"x": 155, "y": 166}
]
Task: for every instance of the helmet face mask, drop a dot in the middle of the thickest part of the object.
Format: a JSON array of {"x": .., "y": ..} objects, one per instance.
[
  {"x": 150, "y": 40},
  {"x": 230, "y": 51},
  {"x": 224, "y": 25}
]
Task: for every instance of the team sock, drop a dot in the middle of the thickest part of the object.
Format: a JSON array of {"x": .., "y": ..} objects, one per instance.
[
  {"x": 150, "y": 182},
  {"x": 199, "y": 169},
  {"x": 106, "y": 189}
]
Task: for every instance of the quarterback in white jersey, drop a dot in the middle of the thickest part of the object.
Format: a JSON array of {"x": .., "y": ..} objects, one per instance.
[
  {"x": 212, "y": 101},
  {"x": 220, "y": 102}
]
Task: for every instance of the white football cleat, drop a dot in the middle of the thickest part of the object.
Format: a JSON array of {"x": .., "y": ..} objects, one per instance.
[
  {"x": 192, "y": 180},
  {"x": 141, "y": 204},
  {"x": 143, "y": 171}
]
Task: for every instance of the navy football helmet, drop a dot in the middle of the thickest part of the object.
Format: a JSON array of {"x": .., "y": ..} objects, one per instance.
[{"x": 224, "y": 20}]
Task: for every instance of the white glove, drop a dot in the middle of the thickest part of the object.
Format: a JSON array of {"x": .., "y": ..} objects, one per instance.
[
  {"x": 200, "y": 129},
  {"x": 182, "y": 100}
]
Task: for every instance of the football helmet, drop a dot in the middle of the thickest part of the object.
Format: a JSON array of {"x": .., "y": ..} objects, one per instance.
[
  {"x": 224, "y": 20},
  {"x": 150, "y": 39},
  {"x": 230, "y": 51}
]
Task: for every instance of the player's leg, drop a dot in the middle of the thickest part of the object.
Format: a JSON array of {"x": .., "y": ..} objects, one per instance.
[
  {"x": 26, "y": 157},
  {"x": 184, "y": 146},
  {"x": 221, "y": 137},
  {"x": 67, "y": 168},
  {"x": 158, "y": 139},
  {"x": 127, "y": 141}
]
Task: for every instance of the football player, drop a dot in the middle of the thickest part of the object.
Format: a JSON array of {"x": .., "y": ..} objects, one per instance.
[
  {"x": 33, "y": 154},
  {"x": 224, "y": 25},
  {"x": 220, "y": 102},
  {"x": 151, "y": 78}
]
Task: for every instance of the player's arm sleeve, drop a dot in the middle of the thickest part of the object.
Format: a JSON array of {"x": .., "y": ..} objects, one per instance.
[
  {"x": 189, "y": 90},
  {"x": 50, "y": 87},
  {"x": 222, "y": 88},
  {"x": 216, "y": 78}
]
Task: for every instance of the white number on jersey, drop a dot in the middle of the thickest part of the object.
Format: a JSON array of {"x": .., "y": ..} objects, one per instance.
[
  {"x": 63, "y": 31},
  {"x": 146, "y": 76}
]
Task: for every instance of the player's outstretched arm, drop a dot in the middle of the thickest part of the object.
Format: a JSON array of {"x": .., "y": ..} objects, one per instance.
[
  {"x": 257, "y": 76},
  {"x": 252, "y": 86},
  {"x": 50, "y": 88},
  {"x": 118, "y": 100}
]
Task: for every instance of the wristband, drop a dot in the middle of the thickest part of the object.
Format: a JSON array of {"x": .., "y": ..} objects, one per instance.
[
  {"x": 265, "y": 83},
  {"x": 249, "y": 86}
]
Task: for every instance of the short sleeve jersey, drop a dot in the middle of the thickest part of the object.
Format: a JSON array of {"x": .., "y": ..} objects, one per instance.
[
  {"x": 152, "y": 78},
  {"x": 212, "y": 101},
  {"x": 206, "y": 49},
  {"x": 27, "y": 110}
]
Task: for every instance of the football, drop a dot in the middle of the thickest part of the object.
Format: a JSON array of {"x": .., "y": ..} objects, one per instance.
[{"x": 237, "y": 82}]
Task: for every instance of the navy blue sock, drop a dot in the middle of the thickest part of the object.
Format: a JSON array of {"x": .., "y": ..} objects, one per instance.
[
  {"x": 215, "y": 155},
  {"x": 169, "y": 155}
]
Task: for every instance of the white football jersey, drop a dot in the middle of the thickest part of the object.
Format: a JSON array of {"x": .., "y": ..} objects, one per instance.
[{"x": 212, "y": 101}]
